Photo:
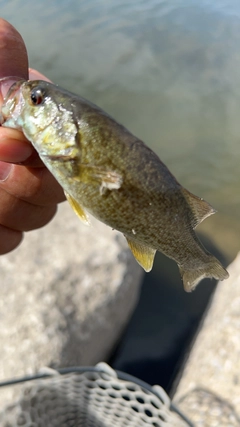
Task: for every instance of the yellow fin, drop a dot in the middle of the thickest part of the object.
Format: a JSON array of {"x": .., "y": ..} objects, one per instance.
[
  {"x": 143, "y": 254},
  {"x": 77, "y": 209},
  {"x": 199, "y": 207}
]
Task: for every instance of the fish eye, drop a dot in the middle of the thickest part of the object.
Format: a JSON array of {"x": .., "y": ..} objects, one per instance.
[{"x": 37, "y": 96}]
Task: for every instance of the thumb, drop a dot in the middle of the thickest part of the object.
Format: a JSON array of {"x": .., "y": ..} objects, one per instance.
[
  {"x": 13, "y": 57},
  {"x": 35, "y": 75}
]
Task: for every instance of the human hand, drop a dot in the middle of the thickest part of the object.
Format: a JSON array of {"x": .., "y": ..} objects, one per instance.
[{"x": 29, "y": 194}]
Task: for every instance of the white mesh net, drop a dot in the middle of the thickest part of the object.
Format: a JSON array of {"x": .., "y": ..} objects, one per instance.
[{"x": 94, "y": 398}]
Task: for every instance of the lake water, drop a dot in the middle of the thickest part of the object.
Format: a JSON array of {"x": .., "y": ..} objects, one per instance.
[{"x": 170, "y": 72}]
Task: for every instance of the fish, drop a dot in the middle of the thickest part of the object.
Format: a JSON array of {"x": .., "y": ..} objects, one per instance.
[{"x": 109, "y": 173}]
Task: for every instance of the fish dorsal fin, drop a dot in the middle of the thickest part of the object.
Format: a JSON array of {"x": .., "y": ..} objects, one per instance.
[
  {"x": 143, "y": 254},
  {"x": 199, "y": 207},
  {"x": 77, "y": 209}
]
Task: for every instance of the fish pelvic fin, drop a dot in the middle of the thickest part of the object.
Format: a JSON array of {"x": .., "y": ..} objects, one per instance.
[
  {"x": 211, "y": 269},
  {"x": 79, "y": 211},
  {"x": 143, "y": 254},
  {"x": 199, "y": 207}
]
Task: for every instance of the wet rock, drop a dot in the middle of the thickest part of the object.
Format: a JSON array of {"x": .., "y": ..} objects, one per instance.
[{"x": 209, "y": 390}]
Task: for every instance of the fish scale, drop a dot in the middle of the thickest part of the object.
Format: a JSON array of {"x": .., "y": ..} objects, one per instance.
[{"x": 107, "y": 171}]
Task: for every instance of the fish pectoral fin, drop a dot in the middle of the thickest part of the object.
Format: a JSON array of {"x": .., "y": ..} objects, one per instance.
[
  {"x": 110, "y": 181},
  {"x": 143, "y": 254},
  {"x": 199, "y": 207},
  {"x": 96, "y": 175},
  {"x": 77, "y": 209}
]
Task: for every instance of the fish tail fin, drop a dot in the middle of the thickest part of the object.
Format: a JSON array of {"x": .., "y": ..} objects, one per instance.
[{"x": 211, "y": 268}]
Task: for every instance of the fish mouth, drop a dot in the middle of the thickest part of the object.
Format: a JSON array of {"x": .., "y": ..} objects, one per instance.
[
  {"x": 13, "y": 88},
  {"x": 12, "y": 102}
]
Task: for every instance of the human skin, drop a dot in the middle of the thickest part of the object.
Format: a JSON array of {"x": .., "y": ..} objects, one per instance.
[{"x": 29, "y": 194}]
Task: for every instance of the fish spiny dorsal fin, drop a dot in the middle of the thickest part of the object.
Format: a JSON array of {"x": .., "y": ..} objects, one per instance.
[
  {"x": 199, "y": 207},
  {"x": 77, "y": 208},
  {"x": 143, "y": 254}
]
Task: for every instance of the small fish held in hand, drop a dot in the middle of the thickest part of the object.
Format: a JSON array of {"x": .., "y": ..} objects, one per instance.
[{"x": 108, "y": 172}]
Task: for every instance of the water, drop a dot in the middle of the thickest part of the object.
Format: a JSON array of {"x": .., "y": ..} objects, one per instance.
[{"x": 169, "y": 71}]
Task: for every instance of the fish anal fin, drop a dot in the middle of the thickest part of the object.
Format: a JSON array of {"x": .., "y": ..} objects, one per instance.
[
  {"x": 211, "y": 269},
  {"x": 77, "y": 209},
  {"x": 199, "y": 207},
  {"x": 142, "y": 253}
]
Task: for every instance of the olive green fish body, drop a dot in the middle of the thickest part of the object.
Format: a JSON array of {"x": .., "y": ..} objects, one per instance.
[{"x": 108, "y": 172}]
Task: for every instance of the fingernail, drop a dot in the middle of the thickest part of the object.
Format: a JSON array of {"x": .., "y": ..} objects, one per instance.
[{"x": 5, "y": 169}]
